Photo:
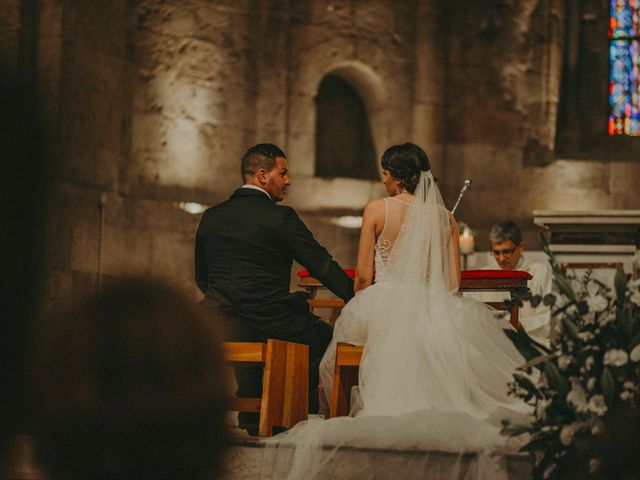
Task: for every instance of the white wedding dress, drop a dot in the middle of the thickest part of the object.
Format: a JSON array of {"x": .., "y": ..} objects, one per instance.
[{"x": 435, "y": 366}]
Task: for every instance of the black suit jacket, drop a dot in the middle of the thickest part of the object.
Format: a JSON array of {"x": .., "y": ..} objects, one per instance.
[{"x": 244, "y": 252}]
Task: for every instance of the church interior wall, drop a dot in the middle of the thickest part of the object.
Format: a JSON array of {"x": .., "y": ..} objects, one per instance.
[
  {"x": 152, "y": 103},
  {"x": 504, "y": 79}
]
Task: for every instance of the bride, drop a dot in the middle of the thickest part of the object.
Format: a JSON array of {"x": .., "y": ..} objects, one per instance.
[{"x": 435, "y": 366}]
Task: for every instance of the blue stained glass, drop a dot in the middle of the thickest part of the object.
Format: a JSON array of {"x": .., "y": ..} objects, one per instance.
[
  {"x": 634, "y": 50},
  {"x": 624, "y": 76}
]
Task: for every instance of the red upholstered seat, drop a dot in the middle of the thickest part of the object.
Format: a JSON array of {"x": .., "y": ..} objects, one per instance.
[
  {"x": 495, "y": 274},
  {"x": 465, "y": 273}
]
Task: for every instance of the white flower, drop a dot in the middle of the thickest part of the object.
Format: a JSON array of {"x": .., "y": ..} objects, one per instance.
[
  {"x": 591, "y": 383},
  {"x": 626, "y": 395},
  {"x": 586, "y": 336},
  {"x": 628, "y": 385},
  {"x": 542, "y": 407},
  {"x": 597, "y": 303},
  {"x": 634, "y": 356},
  {"x": 592, "y": 288},
  {"x": 577, "y": 397},
  {"x": 576, "y": 285},
  {"x": 594, "y": 465},
  {"x": 616, "y": 357},
  {"x": 564, "y": 361},
  {"x": 597, "y": 405},
  {"x": 589, "y": 362},
  {"x": 607, "y": 317},
  {"x": 597, "y": 428},
  {"x": 567, "y": 433},
  {"x": 634, "y": 291}
]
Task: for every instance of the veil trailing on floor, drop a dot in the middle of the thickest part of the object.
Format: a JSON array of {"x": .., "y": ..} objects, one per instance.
[{"x": 433, "y": 375}]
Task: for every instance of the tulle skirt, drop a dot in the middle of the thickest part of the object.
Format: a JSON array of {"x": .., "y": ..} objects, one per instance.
[{"x": 433, "y": 378}]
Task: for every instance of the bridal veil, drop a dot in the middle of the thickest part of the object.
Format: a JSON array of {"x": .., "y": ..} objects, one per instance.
[{"x": 433, "y": 374}]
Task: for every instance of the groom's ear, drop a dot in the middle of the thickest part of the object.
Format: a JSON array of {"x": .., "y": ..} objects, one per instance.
[{"x": 261, "y": 176}]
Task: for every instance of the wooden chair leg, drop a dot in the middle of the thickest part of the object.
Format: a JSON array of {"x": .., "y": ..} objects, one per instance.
[
  {"x": 337, "y": 396},
  {"x": 285, "y": 385},
  {"x": 514, "y": 320},
  {"x": 296, "y": 405},
  {"x": 345, "y": 377}
]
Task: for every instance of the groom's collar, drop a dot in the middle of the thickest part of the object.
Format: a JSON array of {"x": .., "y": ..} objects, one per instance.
[
  {"x": 256, "y": 193},
  {"x": 255, "y": 187}
]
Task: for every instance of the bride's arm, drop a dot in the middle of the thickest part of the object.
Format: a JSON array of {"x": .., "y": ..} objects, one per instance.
[
  {"x": 455, "y": 241},
  {"x": 364, "y": 264}
]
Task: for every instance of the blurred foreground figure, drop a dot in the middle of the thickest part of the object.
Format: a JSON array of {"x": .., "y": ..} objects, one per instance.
[
  {"x": 129, "y": 384},
  {"x": 23, "y": 161}
]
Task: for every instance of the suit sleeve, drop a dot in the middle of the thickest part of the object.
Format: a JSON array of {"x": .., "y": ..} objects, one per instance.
[
  {"x": 200, "y": 263},
  {"x": 314, "y": 257}
]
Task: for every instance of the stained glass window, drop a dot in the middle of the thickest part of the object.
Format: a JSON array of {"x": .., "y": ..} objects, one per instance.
[{"x": 624, "y": 72}]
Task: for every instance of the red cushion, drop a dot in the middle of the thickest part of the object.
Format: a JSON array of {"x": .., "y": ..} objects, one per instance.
[
  {"x": 465, "y": 273},
  {"x": 349, "y": 271},
  {"x": 495, "y": 274}
]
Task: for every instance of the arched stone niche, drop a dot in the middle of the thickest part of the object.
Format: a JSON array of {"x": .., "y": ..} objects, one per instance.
[
  {"x": 344, "y": 144},
  {"x": 315, "y": 193}
]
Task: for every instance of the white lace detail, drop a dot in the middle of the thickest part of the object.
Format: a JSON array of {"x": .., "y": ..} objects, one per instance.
[
  {"x": 395, "y": 211},
  {"x": 380, "y": 257}
]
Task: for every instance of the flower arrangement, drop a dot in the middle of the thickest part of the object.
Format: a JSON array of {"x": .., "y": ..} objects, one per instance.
[{"x": 589, "y": 379}]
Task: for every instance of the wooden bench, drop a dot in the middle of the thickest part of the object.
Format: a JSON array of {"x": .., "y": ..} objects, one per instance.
[
  {"x": 285, "y": 382},
  {"x": 345, "y": 377}
]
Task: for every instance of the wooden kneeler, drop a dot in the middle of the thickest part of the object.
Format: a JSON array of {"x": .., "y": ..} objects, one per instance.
[
  {"x": 345, "y": 377},
  {"x": 285, "y": 382}
]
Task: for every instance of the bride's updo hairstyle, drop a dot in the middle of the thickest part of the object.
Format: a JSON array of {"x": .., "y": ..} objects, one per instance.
[{"x": 405, "y": 162}]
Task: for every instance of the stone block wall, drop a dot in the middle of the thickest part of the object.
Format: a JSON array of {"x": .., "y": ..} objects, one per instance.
[
  {"x": 504, "y": 69},
  {"x": 152, "y": 103}
]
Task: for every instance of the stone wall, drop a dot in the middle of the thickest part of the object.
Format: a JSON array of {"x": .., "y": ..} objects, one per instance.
[
  {"x": 504, "y": 70},
  {"x": 152, "y": 103}
]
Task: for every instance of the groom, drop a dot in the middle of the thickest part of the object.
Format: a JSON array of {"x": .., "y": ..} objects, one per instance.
[{"x": 243, "y": 257}]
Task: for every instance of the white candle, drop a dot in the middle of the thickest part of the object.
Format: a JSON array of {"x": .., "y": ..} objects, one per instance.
[{"x": 466, "y": 242}]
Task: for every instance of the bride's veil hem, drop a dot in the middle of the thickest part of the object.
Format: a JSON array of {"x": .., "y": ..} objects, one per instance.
[{"x": 422, "y": 387}]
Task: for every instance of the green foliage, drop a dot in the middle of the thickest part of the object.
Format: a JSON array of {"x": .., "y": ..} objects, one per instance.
[
  {"x": 591, "y": 374},
  {"x": 607, "y": 383}
]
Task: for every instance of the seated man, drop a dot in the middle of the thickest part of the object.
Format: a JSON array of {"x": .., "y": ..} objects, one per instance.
[
  {"x": 244, "y": 251},
  {"x": 507, "y": 248}
]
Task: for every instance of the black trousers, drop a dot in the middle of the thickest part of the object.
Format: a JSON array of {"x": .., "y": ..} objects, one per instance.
[{"x": 249, "y": 379}]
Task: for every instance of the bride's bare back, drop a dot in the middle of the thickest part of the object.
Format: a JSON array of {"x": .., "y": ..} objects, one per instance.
[{"x": 382, "y": 222}]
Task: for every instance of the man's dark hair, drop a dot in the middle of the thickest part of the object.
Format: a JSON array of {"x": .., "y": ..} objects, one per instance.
[
  {"x": 505, "y": 231},
  {"x": 405, "y": 162},
  {"x": 262, "y": 155}
]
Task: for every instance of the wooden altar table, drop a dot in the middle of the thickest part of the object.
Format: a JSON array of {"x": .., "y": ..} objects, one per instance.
[{"x": 511, "y": 281}]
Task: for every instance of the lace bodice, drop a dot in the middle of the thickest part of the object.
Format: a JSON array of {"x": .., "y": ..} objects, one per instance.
[{"x": 395, "y": 212}]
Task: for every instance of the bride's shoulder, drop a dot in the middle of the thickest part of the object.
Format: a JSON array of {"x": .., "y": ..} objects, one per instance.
[
  {"x": 374, "y": 210},
  {"x": 375, "y": 205}
]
